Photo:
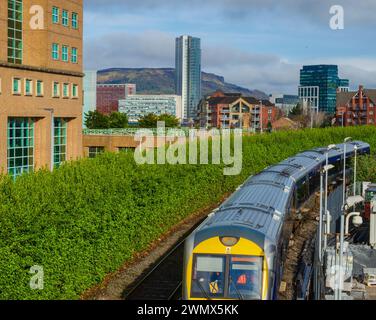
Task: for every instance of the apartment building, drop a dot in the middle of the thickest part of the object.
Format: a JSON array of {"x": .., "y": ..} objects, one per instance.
[
  {"x": 356, "y": 108},
  {"x": 232, "y": 110},
  {"x": 40, "y": 84}
]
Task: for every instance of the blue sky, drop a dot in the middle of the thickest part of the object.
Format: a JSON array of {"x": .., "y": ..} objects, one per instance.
[{"x": 259, "y": 44}]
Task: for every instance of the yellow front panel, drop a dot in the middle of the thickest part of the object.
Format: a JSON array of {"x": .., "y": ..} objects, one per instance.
[{"x": 243, "y": 248}]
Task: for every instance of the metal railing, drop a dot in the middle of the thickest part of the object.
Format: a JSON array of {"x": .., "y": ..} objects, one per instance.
[{"x": 134, "y": 131}]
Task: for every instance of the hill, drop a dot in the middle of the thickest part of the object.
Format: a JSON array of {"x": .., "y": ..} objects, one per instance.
[{"x": 162, "y": 81}]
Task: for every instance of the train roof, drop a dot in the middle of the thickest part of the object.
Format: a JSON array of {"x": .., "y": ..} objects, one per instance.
[{"x": 257, "y": 209}]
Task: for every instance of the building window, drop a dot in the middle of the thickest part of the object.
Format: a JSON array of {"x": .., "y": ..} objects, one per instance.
[
  {"x": 55, "y": 51},
  {"x": 16, "y": 86},
  {"x": 55, "y": 15},
  {"x": 126, "y": 150},
  {"x": 60, "y": 141},
  {"x": 40, "y": 89},
  {"x": 74, "y": 55},
  {"x": 74, "y": 20},
  {"x": 65, "y": 18},
  {"x": 20, "y": 146},
  {"x": 95, "y": 151},
  {"x": 65, "y": 90},
  {"x": 56, "y": 90},
  {"x": 28, "y": 87},
  {"x": 15, "y": 31},
  {"x": 74, "y": 90},
  {"x": 64, "y": 54}
]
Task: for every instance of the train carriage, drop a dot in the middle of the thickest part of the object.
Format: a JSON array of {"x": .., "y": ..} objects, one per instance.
[{"x": 239, "y": 251}]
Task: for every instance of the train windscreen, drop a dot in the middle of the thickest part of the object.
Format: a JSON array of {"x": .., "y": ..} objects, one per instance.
[
  {"x": 228, "y": 277},
  {"x": 245, "y": 278},
  {"x": 208, "y": 280}
]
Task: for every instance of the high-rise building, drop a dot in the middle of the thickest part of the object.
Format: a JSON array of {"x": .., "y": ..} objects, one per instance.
[
  {"x": 90, "y": 92},
  {"x": 108, "y": 96},
  {"x": 40, "y": 84},
  {"x": 319, "y": 85},
  {"x": 137, "y": 106},
  {"x": 188, "y": 74}
]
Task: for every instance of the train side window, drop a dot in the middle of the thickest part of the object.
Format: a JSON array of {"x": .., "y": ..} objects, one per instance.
[
  {"x": 302, "y": 191},
  {"x": 314, "y": 182}
]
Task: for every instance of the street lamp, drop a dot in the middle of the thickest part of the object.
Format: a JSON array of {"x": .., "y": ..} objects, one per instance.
[
  {"x": 327, "y": 231},
  {"x": 322, "y": 172},
  {"x": 355, "y": 168},
  {"x": 342, "y": 235}
]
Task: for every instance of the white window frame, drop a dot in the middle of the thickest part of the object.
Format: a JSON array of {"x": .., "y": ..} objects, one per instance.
[
  {"x": 19, "y": 86},
  {"x": 53, "y": 89},
  {"x": 63, "y": 54},
  {"x": 74, "y": 85},
  {"x": 65, "y": 96},
  {"x": 42, "y": 88},
  {"x": 31, "y": 87}
]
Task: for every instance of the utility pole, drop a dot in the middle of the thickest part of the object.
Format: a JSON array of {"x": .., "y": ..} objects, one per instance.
[
  {"x": 327, "y": 231},
  {"x": 355, "y": 168},
  {"x": 342, "y": 235}
]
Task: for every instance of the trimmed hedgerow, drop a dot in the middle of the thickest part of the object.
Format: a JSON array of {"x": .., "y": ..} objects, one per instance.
[{"x": 89, "y": 217}]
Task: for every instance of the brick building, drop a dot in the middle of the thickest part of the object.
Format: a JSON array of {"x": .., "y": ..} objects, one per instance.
[
  {"x": 232, "y": 110},
  {"x": 40, "y": 84},
  {"x": 356, "y": 108},
  {"x": 108, "y": 96}
]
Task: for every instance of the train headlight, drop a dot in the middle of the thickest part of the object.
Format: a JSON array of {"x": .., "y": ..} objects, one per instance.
[{"x": 229, "y": 241}]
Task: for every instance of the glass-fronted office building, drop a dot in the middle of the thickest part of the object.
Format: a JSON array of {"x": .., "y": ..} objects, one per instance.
[
  {"x": 137, "y": 106},
  {"x": 188, "y": 74},
  {"x": 319, "y": 85}
]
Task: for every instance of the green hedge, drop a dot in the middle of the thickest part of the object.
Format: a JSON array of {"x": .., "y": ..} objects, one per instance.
[
  {"x": 89, "y": 217},
  {"x": 367, "y": 169}
]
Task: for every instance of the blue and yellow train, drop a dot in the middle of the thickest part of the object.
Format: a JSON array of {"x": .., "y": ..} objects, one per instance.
[{"x": 239, "y": 251}]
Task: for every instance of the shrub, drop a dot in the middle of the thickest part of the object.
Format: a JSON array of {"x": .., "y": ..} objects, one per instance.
[{"x": 89, "y": 217}]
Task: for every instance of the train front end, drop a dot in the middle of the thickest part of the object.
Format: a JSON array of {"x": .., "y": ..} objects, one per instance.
[{"x": 225, "y": 268}]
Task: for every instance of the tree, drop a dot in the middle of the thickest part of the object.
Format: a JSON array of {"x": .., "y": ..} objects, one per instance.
[
  {"x": 96, "y": 120},
  {"x": 270, "y": 127},
  {"x": 151, "y": 121},
  {"x": 296, "y": 111},
  {"x": 170, "y": 120},
  {"x": 118, "y": 120},
  {"x": 148, "y": 121}
]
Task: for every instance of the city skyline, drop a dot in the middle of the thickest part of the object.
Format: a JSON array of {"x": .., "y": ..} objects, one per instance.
[{"x": 251, "y": 43}]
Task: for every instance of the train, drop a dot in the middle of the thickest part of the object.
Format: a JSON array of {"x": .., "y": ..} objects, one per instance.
[{"x": 239, "y": 251}]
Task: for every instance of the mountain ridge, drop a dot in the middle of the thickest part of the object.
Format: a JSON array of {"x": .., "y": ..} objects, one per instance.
[{"x": 162, "y": 81}]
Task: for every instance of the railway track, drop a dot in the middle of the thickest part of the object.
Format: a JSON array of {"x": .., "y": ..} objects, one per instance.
[{"x": 164, "y": 280}]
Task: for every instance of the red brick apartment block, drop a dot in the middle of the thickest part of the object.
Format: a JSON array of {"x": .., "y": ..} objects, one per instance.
[
  {"x": 356, "y": 108},
  {"x": 232, "y": 110}
]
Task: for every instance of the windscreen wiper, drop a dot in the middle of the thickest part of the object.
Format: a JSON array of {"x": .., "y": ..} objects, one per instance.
[
  {"x": 202, "y": 289},
  {"x": 237, "y": 290}
]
